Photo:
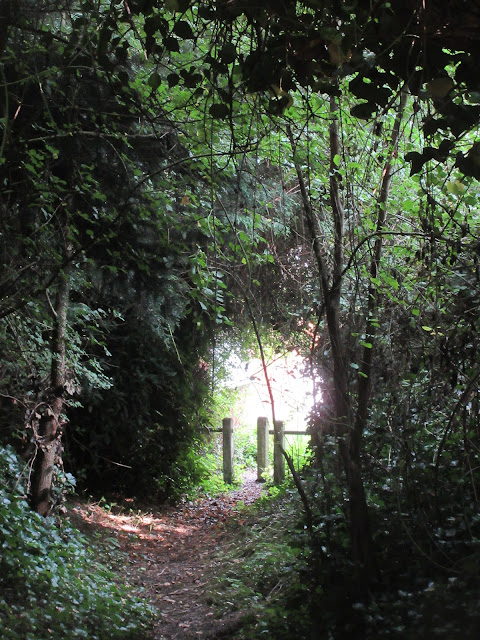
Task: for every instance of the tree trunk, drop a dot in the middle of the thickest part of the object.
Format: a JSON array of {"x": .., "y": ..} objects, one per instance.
[
  {"x": 49, "y": 432},
  {"x": 349, "y": 445},
  {"x": 351, "y": 450},
  {"x": 343, "y": 420}
]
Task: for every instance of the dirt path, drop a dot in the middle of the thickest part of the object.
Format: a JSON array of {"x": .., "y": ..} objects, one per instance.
[{"x": 170, "y": 556}]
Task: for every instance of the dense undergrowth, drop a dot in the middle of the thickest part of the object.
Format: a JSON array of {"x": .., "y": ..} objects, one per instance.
[
  {"x": 263, "y": 567},
  {"x": 283, "y": 580},
  {"x": 291, "y": 584},
  {"x": 54, "y": 582}
]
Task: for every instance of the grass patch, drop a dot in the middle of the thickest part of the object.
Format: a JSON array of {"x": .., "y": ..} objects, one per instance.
[{"x": 261, "y": 571}]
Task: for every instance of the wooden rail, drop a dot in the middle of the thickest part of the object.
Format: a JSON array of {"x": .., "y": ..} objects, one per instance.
[
  {"x": 279, "y": 432},
  {"x": 291, "y": 433}
]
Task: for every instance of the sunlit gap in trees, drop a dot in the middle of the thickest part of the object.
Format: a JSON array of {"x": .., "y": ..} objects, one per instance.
[{"x": 292, "y": 390}]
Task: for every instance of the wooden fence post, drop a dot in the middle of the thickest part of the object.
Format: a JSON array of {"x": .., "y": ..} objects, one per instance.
[
  {"x": 278, "y": 446},
  {"x": 227, "y": 450},
  {"x": 262, "y": 448}
]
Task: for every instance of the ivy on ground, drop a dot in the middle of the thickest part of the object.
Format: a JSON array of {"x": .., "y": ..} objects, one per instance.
[{"x": 52, "y": 583}]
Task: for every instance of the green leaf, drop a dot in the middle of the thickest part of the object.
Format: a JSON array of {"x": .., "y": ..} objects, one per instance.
[
  {"x": 171, "y": 44},
  {"x": 390, "y": 280},
  {"x": 228, "y": 53},
  {"x": 173, "y": 79},
  {"x": 183, "y": 30},
  {"x": 154, "y": 81},
  {"x": 219, "y": 111},
  {"x": 363, "y": 110}
]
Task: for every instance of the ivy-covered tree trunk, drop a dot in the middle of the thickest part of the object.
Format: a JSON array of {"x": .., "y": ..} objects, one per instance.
[{"x": 49, "y": 429}]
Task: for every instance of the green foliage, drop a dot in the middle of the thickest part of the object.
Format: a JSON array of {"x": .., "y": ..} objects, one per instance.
[
  {"x": 289, "y": 584},
  {"x": 52, "y": 583},
  {"x": 264, "y": 569},
  {"x": 299, "y": 450},
  {"x": 245, "y": 442},
  {"x": 94, "y": 168},
  {"x": 139, "y": 436},
  {"x": 141, "y": 150},
  {"x": 208, "y": 472}
]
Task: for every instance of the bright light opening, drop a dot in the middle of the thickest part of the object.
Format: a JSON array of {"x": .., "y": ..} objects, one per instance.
[{"x": 292, "y": 389}]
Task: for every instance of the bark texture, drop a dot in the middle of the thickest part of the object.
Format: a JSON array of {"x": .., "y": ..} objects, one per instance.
[{"x": 49, "y": 431}]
